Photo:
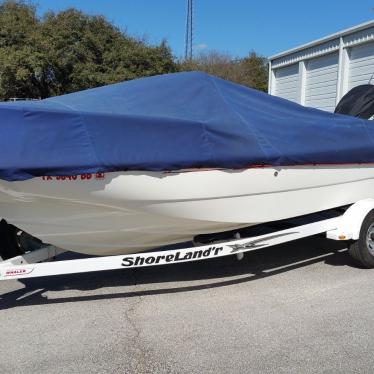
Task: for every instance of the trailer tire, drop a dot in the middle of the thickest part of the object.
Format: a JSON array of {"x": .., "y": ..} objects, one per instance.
[{"x": 362, "y": 250}]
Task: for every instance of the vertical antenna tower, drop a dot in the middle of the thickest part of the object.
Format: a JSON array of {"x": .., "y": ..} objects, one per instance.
[{"x": 189, "y": 31}]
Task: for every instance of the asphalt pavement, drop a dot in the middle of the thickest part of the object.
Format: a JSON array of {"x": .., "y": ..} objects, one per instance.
[{"x": 301, "y": 307}]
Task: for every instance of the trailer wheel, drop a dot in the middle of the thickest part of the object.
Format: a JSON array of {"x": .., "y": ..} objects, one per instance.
[{"x": 362, "y": 250}]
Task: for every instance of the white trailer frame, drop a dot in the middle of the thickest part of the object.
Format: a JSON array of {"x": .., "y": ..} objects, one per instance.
[{"x": 30, "y": 265}]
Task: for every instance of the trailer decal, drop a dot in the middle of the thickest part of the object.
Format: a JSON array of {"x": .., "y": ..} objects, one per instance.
[
  {"x": 144, "y": 260},
  {"x": 16, "y": 272},
  {"x": 258, "y": 243}
]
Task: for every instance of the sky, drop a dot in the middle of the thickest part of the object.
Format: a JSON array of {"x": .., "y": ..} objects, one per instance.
[{"x": 230, "y": 26}]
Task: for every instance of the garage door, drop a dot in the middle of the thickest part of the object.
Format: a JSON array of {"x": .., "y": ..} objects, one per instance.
[
  {"x": 287, "y": 82},
  {"x": 361, "y": 66},
  {"x": 321, "y": 82}
]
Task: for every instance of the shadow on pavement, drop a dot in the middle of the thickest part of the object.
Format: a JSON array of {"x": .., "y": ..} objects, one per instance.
[{"x": 211, "y": 273}]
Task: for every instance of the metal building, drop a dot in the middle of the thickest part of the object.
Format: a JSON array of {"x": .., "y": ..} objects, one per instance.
[{"x": 319, "y": 73}]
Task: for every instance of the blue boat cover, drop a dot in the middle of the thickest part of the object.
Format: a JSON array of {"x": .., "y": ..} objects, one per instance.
[{"x": 172, "y": 122}]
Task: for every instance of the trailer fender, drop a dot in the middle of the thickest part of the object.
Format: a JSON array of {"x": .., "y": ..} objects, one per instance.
[{"x": 349, "y": 224}]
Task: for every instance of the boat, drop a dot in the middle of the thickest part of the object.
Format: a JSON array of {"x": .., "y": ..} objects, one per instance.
[{"x": 156, "y": 161}]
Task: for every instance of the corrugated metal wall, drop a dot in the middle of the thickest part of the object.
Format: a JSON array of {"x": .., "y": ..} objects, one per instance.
[
  {"x": 361, "y": 65},
  {"x": 319, "y": 74},
  {"x": 321, "y": 82},
  {"x": 287, "y": 82}
]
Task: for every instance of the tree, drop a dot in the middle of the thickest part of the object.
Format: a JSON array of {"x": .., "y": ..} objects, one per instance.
[
  {"x": 254, "y": 70},
  {"x": 20, "y": 61},
  {"x": 69, "y": 51},
  {"x": 250, "y": 71},
  {"x": 87, "y": 51}
]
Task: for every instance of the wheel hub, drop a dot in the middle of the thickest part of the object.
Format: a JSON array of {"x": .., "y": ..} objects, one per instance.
[{"x": 370, "y": 239}]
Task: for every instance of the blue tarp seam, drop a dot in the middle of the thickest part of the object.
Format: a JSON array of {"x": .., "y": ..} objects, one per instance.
[
  {"x": 236, "y": 114},
  {"x": 207, "y": 141},
  {"x": 90, "y": 140}
]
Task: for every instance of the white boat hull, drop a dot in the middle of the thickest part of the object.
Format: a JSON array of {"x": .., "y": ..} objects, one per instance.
[{"x": 124, "y": 212}]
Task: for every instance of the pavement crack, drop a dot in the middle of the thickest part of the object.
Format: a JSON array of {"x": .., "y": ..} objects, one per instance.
[{"x": 142, "y": 354}]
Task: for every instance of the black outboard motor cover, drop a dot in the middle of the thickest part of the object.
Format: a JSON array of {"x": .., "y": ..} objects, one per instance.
[{"x": 358, "y": 102}]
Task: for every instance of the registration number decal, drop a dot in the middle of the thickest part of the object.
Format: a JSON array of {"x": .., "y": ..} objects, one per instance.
[{"x": 80, "y": 177}]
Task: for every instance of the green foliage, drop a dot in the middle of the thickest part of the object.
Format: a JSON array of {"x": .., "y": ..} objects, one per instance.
[
  {"x": 19, "y": 64},
  {"x": 251, "y": 71},
  {"x": 255, "y": 71},
  {"x": 69, "y": 51}
]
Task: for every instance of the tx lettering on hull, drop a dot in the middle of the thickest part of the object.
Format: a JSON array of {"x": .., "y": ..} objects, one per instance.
[{"x": 80, "y": 177}]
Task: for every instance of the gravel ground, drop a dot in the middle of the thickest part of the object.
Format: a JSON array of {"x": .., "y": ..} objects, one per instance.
[{"x": 296, "y": 308}]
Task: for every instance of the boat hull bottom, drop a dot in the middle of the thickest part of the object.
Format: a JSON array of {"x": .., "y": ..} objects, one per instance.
[{"x": 134, "y": 211}]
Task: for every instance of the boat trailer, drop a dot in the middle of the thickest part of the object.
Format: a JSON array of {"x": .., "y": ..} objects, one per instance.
[{"x": 355, "y": 225}]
